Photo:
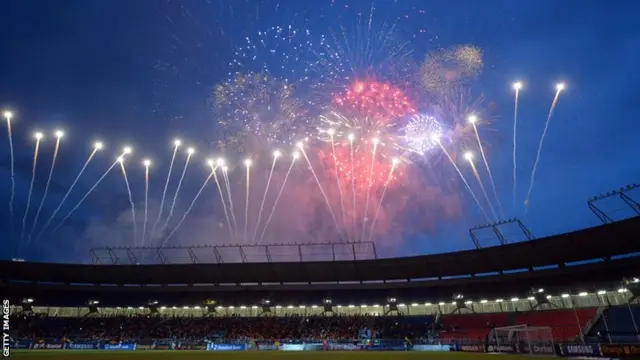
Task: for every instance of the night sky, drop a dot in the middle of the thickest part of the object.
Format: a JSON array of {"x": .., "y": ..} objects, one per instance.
[{"x": 142, "y": 73}]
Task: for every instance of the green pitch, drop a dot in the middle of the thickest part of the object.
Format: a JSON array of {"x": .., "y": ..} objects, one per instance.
[{"x": 248, "y": 355}]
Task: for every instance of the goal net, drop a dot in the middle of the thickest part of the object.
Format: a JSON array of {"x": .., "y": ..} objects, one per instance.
[{"x": 522, "y": 339}]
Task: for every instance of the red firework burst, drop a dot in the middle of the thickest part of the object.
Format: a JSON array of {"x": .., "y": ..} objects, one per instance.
[
  {"x": 363, "y": 166},
  {"x": 373, "y": 99}
]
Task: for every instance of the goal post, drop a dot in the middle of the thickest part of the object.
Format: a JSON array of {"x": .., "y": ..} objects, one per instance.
[{"x": 526, "y": 339}]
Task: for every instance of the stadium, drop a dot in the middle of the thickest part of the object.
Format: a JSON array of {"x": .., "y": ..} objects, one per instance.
[
  {"x": 563, "y": 295},
  {"x": 296, "y": 179}
]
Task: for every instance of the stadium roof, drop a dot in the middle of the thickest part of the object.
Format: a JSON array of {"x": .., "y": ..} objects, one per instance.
[{"x": 604, "y": 249}]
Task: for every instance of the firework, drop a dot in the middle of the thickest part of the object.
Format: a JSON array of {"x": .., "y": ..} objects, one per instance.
[
  {"x": 516, "y": 86},
  {"x": 376, "y": 100},
  {"x": 473, "y": 120},
  {"x": 97, "y": 146},
  {"x": 394, "y": 162},
  {"x": 559, "y": 88},
  {"x": 469, "y": 157},
  {"x": 59, "y": 134},
  {"x": 8, "y": 115},
  {"x": 256, "y": 112},
  {"x": 176, "y": 145},
  {"x": 133, "y": 206},
  {"x": 276, "y": 155},
  {"x": 146, "y": 164},
  {"x": 38, "y": 136},
  {"x": 190, "y": 152},
  {"x": 294, "y": 157},
  {"x": 444, "y": 69},
  {"x": 366, "y": 49},
  {"x": 350, "y": 157},
  {"x": 290, "y": 49},
  {"x": 183, "y": 218},
  {"x": 419, "y": 133},
  {"x": 127, "y": 150},
  {"x": 220, "y": 163}
]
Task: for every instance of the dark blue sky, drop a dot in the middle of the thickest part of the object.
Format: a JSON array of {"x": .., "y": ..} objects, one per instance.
[{"x": 141, "y": 72}]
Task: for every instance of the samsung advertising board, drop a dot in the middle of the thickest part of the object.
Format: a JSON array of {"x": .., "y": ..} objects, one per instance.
[
  {"x": 82, "y": 346},
  {"x": 577, "y": 350}
]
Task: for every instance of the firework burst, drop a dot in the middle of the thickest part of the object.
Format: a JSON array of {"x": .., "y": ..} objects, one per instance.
[
  {"x": 421, "y": 132},
  {"x": 375, "y": 100},
  {"x": 290, "y": 48},
  {"x": 365, "y": 49},
  {"x": 445, "y": 69},
  {"x": 257, "y": 112}
]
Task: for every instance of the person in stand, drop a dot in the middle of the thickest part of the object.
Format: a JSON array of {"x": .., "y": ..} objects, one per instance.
[{"x": 407, "y": 343}]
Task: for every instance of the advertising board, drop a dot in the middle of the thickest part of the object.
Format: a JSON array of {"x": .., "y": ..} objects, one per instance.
[
  {"x": 579, "y": 350},
  {"x": 48, "y": 346},
  {"x": 127, "y": 347},
  {"x": 471, "y": 348},
  {"x": 82, "y": 346},
  {"x": 226, "y": 347}
]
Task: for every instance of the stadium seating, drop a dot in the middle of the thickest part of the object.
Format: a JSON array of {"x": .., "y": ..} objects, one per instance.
[
  {"x": 255, "y": 328},
  {"x": 565, "y": 324},
  {"x": 470, "y": 327},
  {"x": 617, "y": 323}
]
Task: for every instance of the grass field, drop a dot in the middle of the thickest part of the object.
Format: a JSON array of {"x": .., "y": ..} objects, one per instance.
[{"x": 248, "y": 355}]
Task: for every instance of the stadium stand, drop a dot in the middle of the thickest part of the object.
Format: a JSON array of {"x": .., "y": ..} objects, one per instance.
[
  {"x": 419, "y": 298},
  {"x": 470, "y": 327},
  {"x": 566, "y": 325},
  {"x": 617, "y": 324}
]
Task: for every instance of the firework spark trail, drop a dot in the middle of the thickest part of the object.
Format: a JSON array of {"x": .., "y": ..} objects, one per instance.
[
  {"x": 224, "y": 204},
  {"x": 353, "y": 188},
  {"x": 33, "y": 179},
  {"x": 166, "y": 185},
  {"x": 515, "y": 127},
  {"x": 335, "y": 164},
  {"x": 133, "y": 206},
  {"x": 189, "y": 208},
  {"x": 384, "y": 191},
  {"x": 466, "y": 184},
  {"x": 486, "y": 165},
  {"x": 175, "y": 196},
  {"x": 366, "y": 207},
  {"x": 275, "y": 204},
  {"x": 324, "y": 195},
  {"x": 85, "y": 196},
  {"x": 264, "y": 196},
  {"x": 484, "y": 191},
  {"x": 225, "y": 175},
  {"x": 97, "y": 147},
  {"x": 46, "y": 187},
  {"x": 146, "y": 200},
  {"x": 8, "y": 117},
  {"x": 560, "y": 87},
  {"x": 246, "y": 198}
]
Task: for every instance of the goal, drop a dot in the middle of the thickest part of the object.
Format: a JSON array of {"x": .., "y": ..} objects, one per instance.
[{"x": 522, "y": 339}]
